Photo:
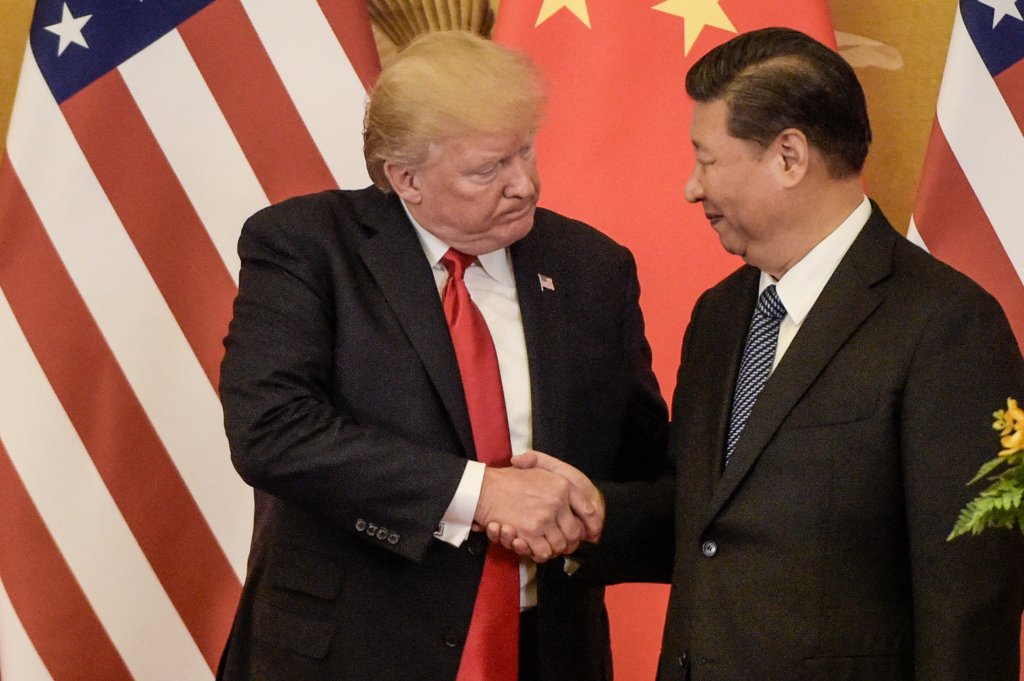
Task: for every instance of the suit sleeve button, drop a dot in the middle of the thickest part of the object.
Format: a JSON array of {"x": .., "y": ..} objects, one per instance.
[
  {"x": 709, "y": 549},
  {"x": 360, "y": 525},
  {"x": 371, "y": 529},
  {"x": 393, "y": 538},
  {"x": 382, "y": 533}
]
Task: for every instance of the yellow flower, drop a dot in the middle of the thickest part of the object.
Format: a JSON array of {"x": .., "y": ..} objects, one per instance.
[
  {"x": 1009, "y": 418},
  {"x": 1010, "y": 424},
  {"x": 999, "y": 504}
]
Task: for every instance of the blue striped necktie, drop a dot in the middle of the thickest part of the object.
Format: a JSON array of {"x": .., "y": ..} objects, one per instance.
[{"x": 758, "y": 355}]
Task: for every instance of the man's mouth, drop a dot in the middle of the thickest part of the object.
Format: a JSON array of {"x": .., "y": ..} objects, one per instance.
[{"x": 521, "y": 212}]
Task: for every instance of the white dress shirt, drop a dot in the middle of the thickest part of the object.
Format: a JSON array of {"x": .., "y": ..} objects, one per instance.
[
  {"x": 800, "y": 287},
  {"x": 492, "y": 286}
]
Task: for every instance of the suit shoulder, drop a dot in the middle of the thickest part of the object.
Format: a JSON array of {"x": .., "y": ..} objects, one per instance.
[
  {"x": 320, "y": 217},
  {"x": 577, "y": 236},
  {"x": 929, "y": 277},
  {"x": 313, "y": 208},
  {"x": 882, "y": 253}
]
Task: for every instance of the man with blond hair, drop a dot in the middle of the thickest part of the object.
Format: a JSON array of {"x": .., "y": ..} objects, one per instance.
[{"x": 390, "y": 349}]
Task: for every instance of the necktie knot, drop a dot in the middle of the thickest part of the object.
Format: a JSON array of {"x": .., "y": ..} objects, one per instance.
[
  {"x": 456, "y": 262},
  {"x": 769, "y": 305}
]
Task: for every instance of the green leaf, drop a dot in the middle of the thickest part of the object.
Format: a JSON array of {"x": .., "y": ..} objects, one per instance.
[
  {"x": 986, "y": 468},
  {"x": 999, "y": 506}
]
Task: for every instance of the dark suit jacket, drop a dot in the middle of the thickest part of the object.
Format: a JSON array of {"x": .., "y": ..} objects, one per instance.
[
  {"x": 820, "y": 552},
  {"x": 345, "y": 411}
]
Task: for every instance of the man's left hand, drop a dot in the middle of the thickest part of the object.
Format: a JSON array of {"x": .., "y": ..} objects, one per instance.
[{"x": 585, "y": 500}]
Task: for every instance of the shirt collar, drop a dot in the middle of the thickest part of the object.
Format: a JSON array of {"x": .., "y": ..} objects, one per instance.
[
  {"x": 497, "y": 264},
  {"x": 800, "y": 287}
]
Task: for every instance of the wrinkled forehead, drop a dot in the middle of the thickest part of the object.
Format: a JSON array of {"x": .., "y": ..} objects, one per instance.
[
  {"x": 709, "y": 120},
  {"x": 465, "y": 142}
]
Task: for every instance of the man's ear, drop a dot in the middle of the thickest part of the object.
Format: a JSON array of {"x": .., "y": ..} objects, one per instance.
[
  {"x": 793, "y": 152},
  {"x": 403, "y": 180}
]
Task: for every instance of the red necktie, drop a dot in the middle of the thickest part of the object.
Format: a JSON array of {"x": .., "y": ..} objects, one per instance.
[{"x": 492, "y": 646}]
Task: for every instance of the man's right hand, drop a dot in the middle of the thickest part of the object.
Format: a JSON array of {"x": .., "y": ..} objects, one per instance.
[
  {"x": 585, "y": 502},
  {"x": 537, "y": 503}
]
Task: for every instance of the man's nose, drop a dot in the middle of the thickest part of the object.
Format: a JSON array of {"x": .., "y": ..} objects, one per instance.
[
  {"x": 694, "y": 190},
  {"x": 521, "y": 174}
]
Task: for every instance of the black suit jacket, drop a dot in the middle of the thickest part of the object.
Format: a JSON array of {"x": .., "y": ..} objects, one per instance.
[
  {"x": 820, "y": 552},
  {"x": 345, "y": 411}
]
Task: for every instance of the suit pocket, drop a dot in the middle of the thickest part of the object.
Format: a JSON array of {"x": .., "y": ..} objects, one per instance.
[
  {"x": 852, "y": 387},
  {"x": 305, "y": 572},
  {"x": 296, "y": 608},
  {"x": 295, "y": 633},
  {"x": 834, "y": 408},
  {"x": 859, "y": 668}
]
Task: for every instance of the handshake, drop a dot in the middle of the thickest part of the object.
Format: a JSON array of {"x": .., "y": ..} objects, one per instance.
[{"x": 539, "y": 507}]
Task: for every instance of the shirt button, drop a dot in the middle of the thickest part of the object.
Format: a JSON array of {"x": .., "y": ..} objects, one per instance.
[{"x": 709, "y": 549}]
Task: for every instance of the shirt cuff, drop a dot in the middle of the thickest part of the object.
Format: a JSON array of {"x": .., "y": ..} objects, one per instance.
[{"x": 457, "y": 521}]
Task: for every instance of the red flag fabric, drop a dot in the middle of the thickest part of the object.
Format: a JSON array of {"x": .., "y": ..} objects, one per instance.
[
  {"x": 969, "y": 210},
  {"x": 614, "y": 151},
  {"x": 142, "y": 135}
]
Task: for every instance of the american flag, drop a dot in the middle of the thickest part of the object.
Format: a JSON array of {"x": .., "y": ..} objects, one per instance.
[
  {"x": 970, "y": 203},
  {"x": 143, "y": 133}
]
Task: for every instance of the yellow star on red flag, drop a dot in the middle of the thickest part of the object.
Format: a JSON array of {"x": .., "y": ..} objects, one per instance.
[
  {"x": 577, "y": 7},
  {"x": 696, "y": 15}
]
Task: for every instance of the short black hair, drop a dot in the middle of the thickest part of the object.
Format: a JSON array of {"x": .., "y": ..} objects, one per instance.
[{"x": 778, "y": 78}]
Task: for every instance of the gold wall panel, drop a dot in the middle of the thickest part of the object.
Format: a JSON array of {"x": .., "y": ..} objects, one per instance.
[{"x": 15, "y": 17}]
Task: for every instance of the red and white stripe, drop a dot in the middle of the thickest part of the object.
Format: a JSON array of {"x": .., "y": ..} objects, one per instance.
[
  {"x": 970, "y": 203},
  {"x": 124, "y": 529}
]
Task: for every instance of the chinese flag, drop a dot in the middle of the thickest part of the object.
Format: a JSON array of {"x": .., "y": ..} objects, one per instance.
[{"x": 615, "y": 152}]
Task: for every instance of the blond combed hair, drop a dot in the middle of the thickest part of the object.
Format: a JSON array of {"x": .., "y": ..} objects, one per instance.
[{"x": 443, "y": 84}]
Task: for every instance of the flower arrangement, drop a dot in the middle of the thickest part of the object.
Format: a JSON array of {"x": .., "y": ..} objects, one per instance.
[{"x": 1000, "y": 504}]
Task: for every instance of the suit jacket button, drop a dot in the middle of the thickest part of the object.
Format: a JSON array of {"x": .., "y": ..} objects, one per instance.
[
  {"x": 382, "y": 533},
  {"x": 451, "y": 640},
  {"x": 709, "y": 549},
  {"x": 360, "y": 525},
  {"x": 393, "y": 538},
  {"x": 476, "y": 544}
]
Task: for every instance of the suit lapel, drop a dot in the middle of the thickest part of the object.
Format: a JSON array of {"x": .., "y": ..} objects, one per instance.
[
  {"x": 728, "y": 314},
  {"x": 394, "y": 257},
  {"x": 544, "y": 313},
  {"x": 845, "y": 302}
]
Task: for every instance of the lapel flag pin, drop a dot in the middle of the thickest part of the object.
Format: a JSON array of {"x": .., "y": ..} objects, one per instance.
[{"x": 546, "y": 283}]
